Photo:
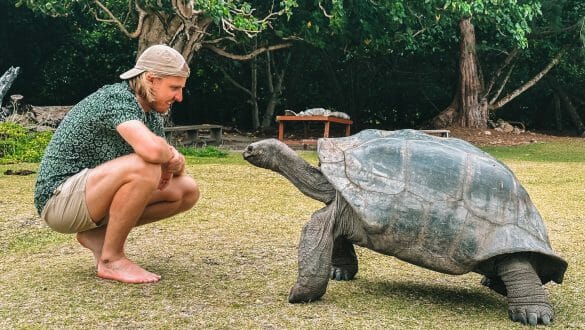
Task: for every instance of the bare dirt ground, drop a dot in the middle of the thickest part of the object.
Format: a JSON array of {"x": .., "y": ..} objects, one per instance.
[
  {"x": 488, "y": 137},
  {"x": 235, "y": 140}
]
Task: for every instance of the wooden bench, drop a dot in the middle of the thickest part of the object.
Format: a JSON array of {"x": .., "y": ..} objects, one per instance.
[
  {"x": 327, "y": 120},
  {"x": 438, "y": 132},
  {"x": 195, "y": 135}
]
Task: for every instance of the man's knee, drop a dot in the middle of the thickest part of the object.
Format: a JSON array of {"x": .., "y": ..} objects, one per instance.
[
  {"x": 191, "y": 192},
  {"x": 141, "y": 170}
]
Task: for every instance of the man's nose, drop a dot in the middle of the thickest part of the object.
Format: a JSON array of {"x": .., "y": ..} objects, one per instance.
[{"x": 179, "y": 96}]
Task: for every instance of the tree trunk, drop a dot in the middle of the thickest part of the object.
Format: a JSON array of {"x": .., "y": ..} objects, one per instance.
[
  {"x": 446, "y": 117},
  {"x": 472, "y": 112},
  {"x": 252, "y": 92},
  {"x": 274, "y": 88},
  {"x": 254, "y": 89},
  {"x": 558, "y": 113},
  {"x": 573, "y": 114},
  {"x": 185, "y": 36},
  {"x": 467, "y": 108}
]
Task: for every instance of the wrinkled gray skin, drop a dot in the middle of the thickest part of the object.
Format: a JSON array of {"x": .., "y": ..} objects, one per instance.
[{"x": 326, "y": 246}]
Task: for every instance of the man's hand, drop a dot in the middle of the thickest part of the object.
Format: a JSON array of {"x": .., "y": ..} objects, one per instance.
[
  {"x": 165, "y": 179},
  {"x": 176, "y": 164}
]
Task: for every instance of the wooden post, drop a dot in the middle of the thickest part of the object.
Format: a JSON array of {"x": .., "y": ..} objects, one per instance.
[{"x": 281, "y": 130}]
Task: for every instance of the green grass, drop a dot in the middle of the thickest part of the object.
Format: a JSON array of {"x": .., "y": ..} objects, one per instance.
[
  {"x": 230, "y": 261},
  {"x": 571, "y": 150}
]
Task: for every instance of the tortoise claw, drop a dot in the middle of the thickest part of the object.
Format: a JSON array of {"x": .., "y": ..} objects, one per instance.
[
  {"x": 532, "y": 315},
  {"x": 341, "y": 274}
]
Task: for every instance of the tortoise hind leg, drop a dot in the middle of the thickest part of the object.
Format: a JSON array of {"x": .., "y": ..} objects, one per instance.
[
  {"x": 495, "y": 284},
  {"x": 527, "y": 300},
  {"x": 344, "y": 263},
  {"x": 315, "y": 251}
]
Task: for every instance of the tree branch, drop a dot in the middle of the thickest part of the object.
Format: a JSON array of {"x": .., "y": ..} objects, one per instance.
[
  {"x": 248, "y": 56},
  {"x": 185, "y": 11},
  {"x": 235, "y": 83},
  {"x": 324, "y": 11},
  {"x": 498, "y": 72},
  {"x": 502, "y": 86},
  {"x": 528, "y": 84},
  {"x": 270, "y": 83},
  {"x": 141, "y": 15}
]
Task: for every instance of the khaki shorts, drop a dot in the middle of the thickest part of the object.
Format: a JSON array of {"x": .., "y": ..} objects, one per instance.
[{"x": 66, "y": 211}]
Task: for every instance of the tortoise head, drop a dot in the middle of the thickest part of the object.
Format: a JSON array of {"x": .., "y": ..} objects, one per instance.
[{"x": 269, "y": 154}]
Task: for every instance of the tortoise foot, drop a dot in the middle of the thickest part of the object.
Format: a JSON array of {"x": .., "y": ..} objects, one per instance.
[
  {"x": 303, "y": 294},
  {"x": 343, "y": 273},
  {"x": 531, "y": 314}
]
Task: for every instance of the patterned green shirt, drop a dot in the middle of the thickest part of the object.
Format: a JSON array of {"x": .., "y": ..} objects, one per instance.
[{"x": 87, "y": 137}]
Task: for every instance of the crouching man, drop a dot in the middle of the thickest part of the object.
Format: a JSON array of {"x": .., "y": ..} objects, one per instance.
[{"x": 109, "y": 169}]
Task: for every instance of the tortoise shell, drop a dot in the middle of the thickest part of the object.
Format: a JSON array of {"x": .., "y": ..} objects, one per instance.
[{"x": 440, "y": 203}]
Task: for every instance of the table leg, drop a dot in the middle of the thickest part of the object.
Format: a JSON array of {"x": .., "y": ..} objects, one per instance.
[
  {"x": 347, "y": 129},
  {"x": 216, "y": 135},
  {"x": 326, "y": 133},
  {"x": 281, "y": 130}
]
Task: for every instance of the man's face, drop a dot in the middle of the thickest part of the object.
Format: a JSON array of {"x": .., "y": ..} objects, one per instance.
[{"x": 166, "y": 91}]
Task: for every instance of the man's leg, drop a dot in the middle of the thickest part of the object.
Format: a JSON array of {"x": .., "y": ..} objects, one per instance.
[
  {"x": 126, "y": 189},
  {"x": 180, "y": 196}
]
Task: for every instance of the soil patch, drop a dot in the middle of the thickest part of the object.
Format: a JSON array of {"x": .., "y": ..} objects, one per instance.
[
  {"x": 491, "y": 137},
  {"x": 236, "y": 140}
]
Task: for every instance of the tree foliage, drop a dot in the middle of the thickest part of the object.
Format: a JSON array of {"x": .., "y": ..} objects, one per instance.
[
  {"x": 183, "y": 25},
  {"x": 388, "y": 63}
]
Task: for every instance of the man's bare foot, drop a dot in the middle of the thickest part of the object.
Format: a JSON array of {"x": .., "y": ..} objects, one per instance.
[
  {"x": 93, "y": 240},
  {"x": 124, "y": 270}
]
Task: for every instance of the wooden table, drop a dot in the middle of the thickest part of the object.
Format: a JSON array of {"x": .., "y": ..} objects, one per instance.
[{"x": 327, "y": 120}]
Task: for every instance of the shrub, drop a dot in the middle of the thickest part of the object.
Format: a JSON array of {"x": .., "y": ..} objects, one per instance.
[
  {"x": 18, "y": 144},
  {"x": 209, "y": 151}
]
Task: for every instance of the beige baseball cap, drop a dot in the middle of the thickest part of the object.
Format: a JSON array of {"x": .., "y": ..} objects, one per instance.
[{"x": 160, "y": 59}]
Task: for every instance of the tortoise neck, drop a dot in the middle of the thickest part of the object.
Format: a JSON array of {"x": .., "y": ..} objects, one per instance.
[{"x": 307, "y": 178}]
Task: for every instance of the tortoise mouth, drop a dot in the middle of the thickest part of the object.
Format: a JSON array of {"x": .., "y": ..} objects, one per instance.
[{"x": 247, "y": 153}]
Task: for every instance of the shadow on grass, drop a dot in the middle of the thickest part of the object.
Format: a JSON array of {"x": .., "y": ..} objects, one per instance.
[{"x": 479, "y": 298}]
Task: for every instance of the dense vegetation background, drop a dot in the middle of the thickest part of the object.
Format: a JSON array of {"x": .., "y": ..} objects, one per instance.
[{"x": 385, "y": 66}]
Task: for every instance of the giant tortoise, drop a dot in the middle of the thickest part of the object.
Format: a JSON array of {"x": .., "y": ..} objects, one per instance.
[{"x": 439, "y": 203}]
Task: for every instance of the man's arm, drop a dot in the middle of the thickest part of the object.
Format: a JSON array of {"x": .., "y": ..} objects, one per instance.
[{"x": 151, "y": 147}]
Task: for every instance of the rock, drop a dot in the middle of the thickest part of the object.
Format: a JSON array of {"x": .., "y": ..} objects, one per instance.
[{"x": 506, "y": 127}]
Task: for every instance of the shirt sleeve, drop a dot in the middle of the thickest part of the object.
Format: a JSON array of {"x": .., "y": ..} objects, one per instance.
[{"x": 120, "y": 108}]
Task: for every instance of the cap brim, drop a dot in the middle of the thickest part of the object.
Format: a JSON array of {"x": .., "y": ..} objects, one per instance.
[{"x": 131, "y": 73}]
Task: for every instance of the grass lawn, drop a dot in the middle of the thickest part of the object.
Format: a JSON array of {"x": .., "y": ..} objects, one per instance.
[{"x": 230, "y": 262}]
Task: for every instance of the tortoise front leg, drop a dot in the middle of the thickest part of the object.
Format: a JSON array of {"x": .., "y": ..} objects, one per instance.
[
  {"x": 344, "y": 261},
  {"x": 527, "y": 300},
  {"x": 315, "y": 250}
]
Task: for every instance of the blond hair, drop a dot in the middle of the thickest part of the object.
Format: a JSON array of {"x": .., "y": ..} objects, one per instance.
[{"x": 142, "y": 86}]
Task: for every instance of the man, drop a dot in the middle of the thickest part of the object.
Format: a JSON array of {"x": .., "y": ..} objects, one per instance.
[{"x": 109, "y": 169}]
